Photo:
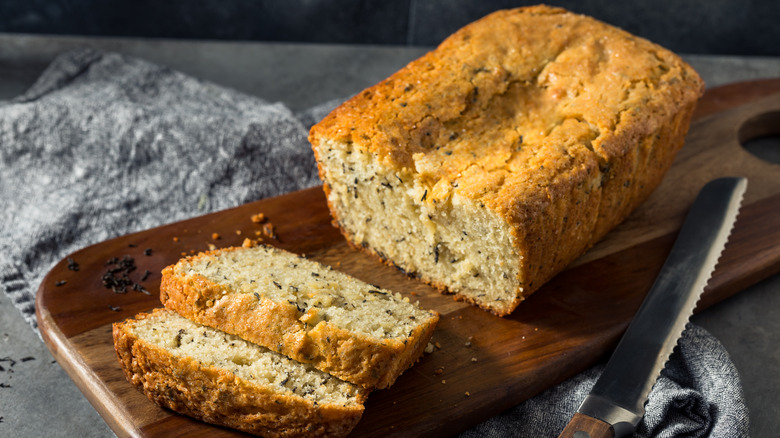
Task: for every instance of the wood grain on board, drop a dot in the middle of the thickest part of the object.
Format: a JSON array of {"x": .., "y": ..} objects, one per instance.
[{"x": 567, "y": 326}]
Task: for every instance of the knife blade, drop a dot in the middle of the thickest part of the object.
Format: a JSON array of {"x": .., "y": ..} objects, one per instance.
[{"x": 615, "y": 405}]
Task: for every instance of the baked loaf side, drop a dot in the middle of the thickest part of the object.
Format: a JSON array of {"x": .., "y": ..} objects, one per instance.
[
  {"x": 224, "y": 380},
  {"x": 297, "y": 307},
  {"x": 492, "y": 162}
]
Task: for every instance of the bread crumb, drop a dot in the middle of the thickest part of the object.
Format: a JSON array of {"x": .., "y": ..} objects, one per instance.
[
  {"x": 473, "y": 359},
  {"x": 438, "y": 345},
  {"x": 258, "y": 218},
  {"x": 439, "y": 371},
  {"x": 212, "y": 247},
  {"x": 467, "y": 344},
  {"x": 238, "y": 232},
  {"x": 215, "y": 236},
  {"x": 249, "y": 243},
  {"x": 443, "y": 381},
  {"x": 468, "y": 394},
  {"x": 429, "y": 348},
  {"x": 175, "y": 239},
  {"x": 269, "y": 230}
]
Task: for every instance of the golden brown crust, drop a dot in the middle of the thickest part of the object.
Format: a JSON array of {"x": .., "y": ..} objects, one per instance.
[
  {"x": 219, "y": 397},
  {"x": 582, "y": 121},
  {"x": 350, "y": 356}
]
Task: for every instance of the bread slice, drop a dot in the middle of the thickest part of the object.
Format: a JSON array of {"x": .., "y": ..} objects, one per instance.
[
  {"x": 489, "y": 164},
  {"x": 221, "y": 379},
  {"x": 358, "y": 332}
]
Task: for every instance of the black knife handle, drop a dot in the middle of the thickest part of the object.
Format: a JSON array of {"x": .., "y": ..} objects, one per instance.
[{"x": 583, "y": 426}]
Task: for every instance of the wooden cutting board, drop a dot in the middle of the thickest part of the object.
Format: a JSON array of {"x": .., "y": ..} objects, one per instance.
[{"x": 483, "y": 364}]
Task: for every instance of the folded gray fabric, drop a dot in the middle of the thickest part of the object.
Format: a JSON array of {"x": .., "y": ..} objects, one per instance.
[
  {"x": 698, "y": 395},
  {"x": 104, "y": 145}
]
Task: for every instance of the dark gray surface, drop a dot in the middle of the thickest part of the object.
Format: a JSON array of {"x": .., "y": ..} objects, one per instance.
[
  {"x": 43, "y": 401},
  {"x": 300, "y": 75},
  {"x": 692, "y": 26},
  {"x": 333, "y": 21}
]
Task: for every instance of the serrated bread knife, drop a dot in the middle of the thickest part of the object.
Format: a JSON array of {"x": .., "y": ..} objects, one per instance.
[{"x": 615, "y": 405}]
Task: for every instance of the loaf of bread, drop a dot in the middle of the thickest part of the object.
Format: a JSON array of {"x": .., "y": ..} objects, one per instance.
[
  {"x": 489, "y": 164},
  {"x": 221, "y": 379},
  {"x": 297, "y": 307}
]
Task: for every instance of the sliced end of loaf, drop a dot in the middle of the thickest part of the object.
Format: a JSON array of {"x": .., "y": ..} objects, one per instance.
[{"x": 450, "y": 241}]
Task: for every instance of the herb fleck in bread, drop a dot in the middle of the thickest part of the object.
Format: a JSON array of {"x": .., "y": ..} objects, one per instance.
[
  {"x": 222, "y": 379},
  {"x": 489, "y": 164},
  {"x": 313, "y": 314}
]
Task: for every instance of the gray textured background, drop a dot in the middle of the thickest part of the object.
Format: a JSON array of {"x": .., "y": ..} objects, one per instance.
[{"x": 724, "y": 27}]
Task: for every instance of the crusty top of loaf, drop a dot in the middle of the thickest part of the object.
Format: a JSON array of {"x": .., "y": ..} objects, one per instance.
[{"x": 517, "y": 99}]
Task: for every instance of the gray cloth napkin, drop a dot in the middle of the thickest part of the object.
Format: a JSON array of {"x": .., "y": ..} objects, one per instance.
[
  {"x": 103, "y": 145},
  {"x": 698, "y": 395}
]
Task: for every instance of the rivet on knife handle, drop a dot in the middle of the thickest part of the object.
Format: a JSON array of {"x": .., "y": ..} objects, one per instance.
[{"x": 617, "y": 399}]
